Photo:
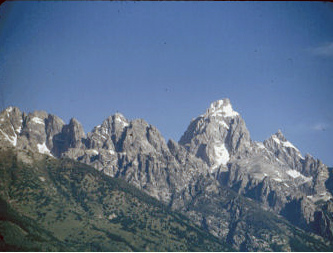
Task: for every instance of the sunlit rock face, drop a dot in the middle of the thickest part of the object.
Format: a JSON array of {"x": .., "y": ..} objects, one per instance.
[
  {"x": 214, "y": 157},
  {"x": 217, "y": 135}
]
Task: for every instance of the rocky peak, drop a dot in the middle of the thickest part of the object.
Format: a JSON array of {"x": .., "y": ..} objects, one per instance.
[
  {"x": 220, "y": 108},
  {"x": 53, "y": 126},
  {"x": 278, "y": 144},
  {"x": 120, "y": 119},
  {"x": 141, "y": 137},
  {"x": 10, "y": 125},
  {"x": 217, "y": 135},
  {"x": 33, "y": 132},
  {"x": 280, "y": 136},
  {"x": 75, "y": 132},
  {"x": 71, "y": 136},
  {"x": 109, "y": 133},
  {"x": 284, "y": 150},
  {"x": 117, "y": 124},
  {"x": 11, "y": 112}
]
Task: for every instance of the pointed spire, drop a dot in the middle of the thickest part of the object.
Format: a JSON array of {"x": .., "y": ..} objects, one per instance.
[
  {"x": 120, "y": 119},
  {"x": 222, "y": 108},
  {"x": 75, "y": 129},
  {"x": 74, "y": 121},
  {"x": 280, "y": 135}
]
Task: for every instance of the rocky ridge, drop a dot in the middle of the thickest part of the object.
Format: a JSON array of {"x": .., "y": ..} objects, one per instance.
[
  {"x": 216, "y": 148},
  {"x": 274, "y": 172}
]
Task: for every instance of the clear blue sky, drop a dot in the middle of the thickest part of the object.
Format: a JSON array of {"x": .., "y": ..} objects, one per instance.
[{"x": 167, "y": 61}]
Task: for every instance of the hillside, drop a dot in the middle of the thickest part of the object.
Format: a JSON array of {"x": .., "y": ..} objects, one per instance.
[{"x": 55, "y": 205}]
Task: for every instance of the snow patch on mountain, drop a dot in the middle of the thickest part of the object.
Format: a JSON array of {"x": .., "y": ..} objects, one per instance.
[
  {"x": 121, "y": 119},
  {"x": 221, "y": 155},
  {"x": 9, "y": 109},
  {"x": 11, "y": 139},
  {"x": 283, "y": 144},
  {"x": 260, "y": 145},
  {"x": 221, "y": 108},
  {"x": 223, "y": 124},
  {"x": 325, "y": 196},
  {"x": 94, "y": 151},
  {"x": 288, "y": 144},
  {"x": 276, "y": 139},
  {"x": 42, "y": 148},
  {"x": 296, "y": 174},
  {"x": 19, "y": 129},
  {"x": 293, "y": 173},
  {"x": 38, "y": 120}
]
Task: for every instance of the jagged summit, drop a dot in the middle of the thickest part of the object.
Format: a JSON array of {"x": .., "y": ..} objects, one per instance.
[
  {"x": 220, "y": 108},
  {"x": 217, "y": 135},
  {"x": 120, "y": 118},
  {"x": 280, "y": 140},
  {"x": 280, "y": 135},
  {"x": 11, "y": 108},
  {"x": 216, "y": 149},
  {"x": 74, "y": 121}
]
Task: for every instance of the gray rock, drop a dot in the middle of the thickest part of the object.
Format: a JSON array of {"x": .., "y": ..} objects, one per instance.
[
  {"x": 10, "y": 126},
  {"x": 273, "y": 173},
  {"x": 199, "y": 175},
  {"x": 70, "y": 139},
  {"x": 53, "y": 126},
  {"x": 284, "y": 150},
  {"x": 217, "y": 135}
]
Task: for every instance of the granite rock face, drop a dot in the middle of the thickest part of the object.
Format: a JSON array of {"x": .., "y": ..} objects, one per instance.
[
  {"x": 214, "y": 158},
  {"x": 217, "y": 135},
  {"x": 133, "y": 150},
  {"x": 11, "y": 121},
  {"x": 274, "y": 172},
  {"x": 70, "y": 138},
  {"x": 34, "y": 131}
]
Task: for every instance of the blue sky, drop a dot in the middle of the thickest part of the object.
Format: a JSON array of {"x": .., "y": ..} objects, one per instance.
[{"x": 167, "y": 61}]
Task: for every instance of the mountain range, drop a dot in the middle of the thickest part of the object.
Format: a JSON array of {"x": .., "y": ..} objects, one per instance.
[{"x": 236, "y": 193}]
